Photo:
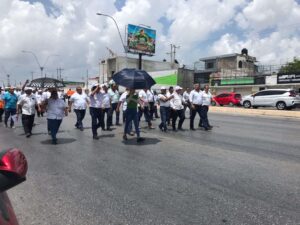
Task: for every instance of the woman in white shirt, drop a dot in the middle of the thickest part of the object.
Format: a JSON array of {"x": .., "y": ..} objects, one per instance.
[{"x": 56, "y": 110}]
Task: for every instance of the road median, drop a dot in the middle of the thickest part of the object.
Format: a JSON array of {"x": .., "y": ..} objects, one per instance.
[{"x": 255, "y": 112}]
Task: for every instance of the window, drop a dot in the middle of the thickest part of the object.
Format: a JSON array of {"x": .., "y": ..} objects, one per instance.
[
  {"x": 262, "y": 93},
  {"x": 240, "y": 64},
  {"x": 222, "y": 95},
  {"x": 237, "y": 96},
  {"x": 210, "y": 65}
]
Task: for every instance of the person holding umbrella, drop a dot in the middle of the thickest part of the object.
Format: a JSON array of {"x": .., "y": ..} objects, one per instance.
[{"x": 132, "y": 100}]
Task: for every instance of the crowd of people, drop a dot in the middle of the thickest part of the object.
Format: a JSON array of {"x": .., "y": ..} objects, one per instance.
[{"x": 103, "y": 102}]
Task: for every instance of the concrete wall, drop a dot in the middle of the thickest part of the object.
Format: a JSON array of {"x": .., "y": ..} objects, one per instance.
[{"x": 185, "y": 78}]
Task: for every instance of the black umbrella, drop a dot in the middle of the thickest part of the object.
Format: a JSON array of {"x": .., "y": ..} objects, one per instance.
[
  {"x": 46, "y": 82},
  {"x": 134, "y": 79}
]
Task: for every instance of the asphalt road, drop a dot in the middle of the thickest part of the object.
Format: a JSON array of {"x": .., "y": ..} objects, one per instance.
[{"x": 245, "y": 171}]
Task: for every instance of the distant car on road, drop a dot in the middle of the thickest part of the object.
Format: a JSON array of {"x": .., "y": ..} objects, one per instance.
[
  {"x": 230, "y": 99},
  {"x": 279, "y": 98},
  {"x": 13, "y": 169}
]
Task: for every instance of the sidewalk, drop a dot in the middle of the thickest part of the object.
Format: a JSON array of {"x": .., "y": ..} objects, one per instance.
[{"x": 253, "y": 112}]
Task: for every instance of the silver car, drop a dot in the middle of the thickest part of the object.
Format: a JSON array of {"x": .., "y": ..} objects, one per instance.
[{"x": 279, "y": 98}]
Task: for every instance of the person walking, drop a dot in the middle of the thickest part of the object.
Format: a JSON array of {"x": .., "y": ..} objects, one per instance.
[
  {"x": 195, "y": 99},
  {"x": 106, "y": 105},
  {"x": 151, "y": 101},
  {"x": 132, "y": 100},
  {"x": 206, "y": 101},
  {"x": 56, "y": 110},
  {"x": 10, "y": 108},
  {"x": 80, "y": 101},
  {"x": 1, "y": 104},
  {"x": 186, "y": 98},
  {"x": 177, "y": 107},
  {"x": 144, "y": 107},
  {"x": 96, "y": 98},
  {"x": 170, "y": 114},
  {"x": 114, "y": 98},
  {"x": 122, "y": 101},
  {"x": 164, "y": 103},
  {"x": 27, "y": 105},
  {"x": 39, "y": 99},
  {"x": 156, "y": 104}
]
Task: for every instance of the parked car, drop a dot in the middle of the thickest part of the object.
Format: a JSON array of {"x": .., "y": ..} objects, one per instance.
[
  {"x": 279, "y": 98},
  {"x": 230, "y": 98},
  {"x": 13, "y": 169}
]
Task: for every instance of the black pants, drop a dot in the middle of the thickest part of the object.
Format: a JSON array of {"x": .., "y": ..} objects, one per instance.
[
  {"x": 170, "y": 116},
  {"x": 27, "y": 121},
  {"x": 107, "y": 112},
  {"x": 96, "y": 114},
  {"x": 205, "y": 122},
  {"x": 151, "y": 110},
  {"x": 39, "y": 114},
  {"x": 176, "y": 114},
  {"x": 80, "y": 113},
  {"x": 197, "y": 109},
  {"x": 146, "y": 113},
  {"x": 112, "y": 109},
  {"x": 1, "y": 113},
  {"x": 9, "y": 113}
]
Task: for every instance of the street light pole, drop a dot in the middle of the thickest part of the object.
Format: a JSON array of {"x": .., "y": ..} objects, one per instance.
[
  {"x": 101, "y": 14},
  {"x": 37, "y": 61}
]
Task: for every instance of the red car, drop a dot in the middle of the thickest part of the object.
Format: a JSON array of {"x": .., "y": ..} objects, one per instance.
[
  {"x": 230, "y": 99},
  {"x": 13, "y": 169}
]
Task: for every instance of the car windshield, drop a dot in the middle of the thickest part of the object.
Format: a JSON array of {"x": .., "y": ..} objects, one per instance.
[{"x": 237, "y": 96}]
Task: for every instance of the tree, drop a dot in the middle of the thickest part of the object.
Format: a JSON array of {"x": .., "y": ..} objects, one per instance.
[{"x": 291, "y": 67}]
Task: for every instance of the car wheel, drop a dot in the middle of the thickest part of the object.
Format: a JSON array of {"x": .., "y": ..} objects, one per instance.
[
  {"x": 280, "y": 105},
  {"x": 221, "y": 105},
  {"x": 213, "y": 103},
  {"x": 247, "y": 104},
  {"x": 255, "y": 107},
  {"x": 231, "y": 104}
]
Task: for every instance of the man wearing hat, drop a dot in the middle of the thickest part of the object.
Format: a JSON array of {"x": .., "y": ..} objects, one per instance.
[
  {"x": 10, "y": 108},
  {"x": 27, "y": 104},
  {"x": 178, "y": 109},
  {"x": 164, "y": 103}
]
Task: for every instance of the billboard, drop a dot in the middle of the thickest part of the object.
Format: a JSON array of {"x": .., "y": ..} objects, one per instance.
[
  {"x": 141, "y": 40},
  {"x": 288, "y": 78}
]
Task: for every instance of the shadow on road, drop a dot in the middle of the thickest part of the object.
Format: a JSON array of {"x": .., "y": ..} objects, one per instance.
[
  {"x": 148, "y": 141},
  {"x": 60, "y": 141}
]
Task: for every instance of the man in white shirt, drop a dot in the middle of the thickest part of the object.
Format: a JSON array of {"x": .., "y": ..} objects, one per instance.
[
  {"x": 206, "y": 101},
  {"x": 96, "y": 98},
  {"x": 114, "y": 98},
  {"x": 195, "y": 99},
  {"x": 106, "y": 107},
  {"x": 150, "y": 97},
  {"x": 144, "y": 107},
  {"x": 80, "y": 101},
  {"x": 164, "y": 103},
  {"x": 177, "y": 107},
  {"x": 170, "y": 114},
  {"x": 186, "y": 98},
  {"x": 39, "y": 99},
  {"x": 27, "y": 104}
]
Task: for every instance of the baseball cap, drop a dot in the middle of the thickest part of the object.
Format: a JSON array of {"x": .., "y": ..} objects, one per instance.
[
  {"x": 163, "y": 88},
  {"x": 28, "y": 89},
  {"x": 178, "y": 88}
]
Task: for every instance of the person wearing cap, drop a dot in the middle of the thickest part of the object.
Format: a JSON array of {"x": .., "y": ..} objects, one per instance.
[
  {"x": 106, "y": 104},
  {"x": 80, "y": 101},
  {"x": 196, "y": 104},
  {"x": 144, "y": 107},
  {"x": 96, "y": 98},
  {"x": 27, "y": 104},
  {"x": 39, "y": 99},
  {"x": 170, "y": 114},
  {"x": 10, "y": 108},
  {"x": 1, "y": 104},
  {"x": 177, "y": 105},
  {"x": 164, "y": 103},
  {"x": 186, "y": 98},
  {"x": 114, "y": 98},
  {"x": 132, "y": 100},
  {"x": 56, "y": 110}
]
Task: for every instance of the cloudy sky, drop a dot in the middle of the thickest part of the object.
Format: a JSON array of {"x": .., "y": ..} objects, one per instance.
[{"x": 270, "y": 29}]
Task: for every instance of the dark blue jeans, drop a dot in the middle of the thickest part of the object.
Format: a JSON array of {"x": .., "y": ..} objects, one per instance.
[
  {"x": 132, "y": 115},
  {"x": 204, "y": 110},
  {"x": 9, "y": 113},
  {"x": 96, "y": 114},
  {"x": 112, "y": 109},
  {"x": 107, "y": 112},
  {"x": 164, "y": 114},
  {"x": 146, "y": 113},
  {"x": 124, "y": 121},
  {"x": 53, "y": 126},
  {"x": 80, "y": 114},
  {"x": 196, "y": 110}
]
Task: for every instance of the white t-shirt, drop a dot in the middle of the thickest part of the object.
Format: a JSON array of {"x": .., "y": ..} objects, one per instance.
[
  {"x": 114, "y": 96},
  {"x": 39, "y": 98},
  {"x": 162, "y": 103},
  {"x": 106, "y": 100},
  {"x": 144, "y": 97},
  {"x": 123, "y": 100},
  {"x": 176, "y": 102},
  {"x": 150, "y": 96},
  {"x": 28, "y": 104},
  {"x": 79, "y": 101},
  {"x": 206, "y": 98},
  {"x": 55, "y": 109},
  {"x": 96, "y": 100},
  {"x": 46, "y": 95}
]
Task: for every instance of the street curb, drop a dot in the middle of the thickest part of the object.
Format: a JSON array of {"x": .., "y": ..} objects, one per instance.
[{"x": 254, "y": 112}]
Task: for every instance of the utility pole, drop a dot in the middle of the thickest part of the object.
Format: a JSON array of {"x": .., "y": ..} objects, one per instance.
[
  {"x": 174, "y": 52},
  {"x": 31, "y": 75},
  {"x": 87, "y": 79},
  {"x": 58, "y": 71},
  {"x": 171, "y": 53},
  {"x": 8, "y": 80}
]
